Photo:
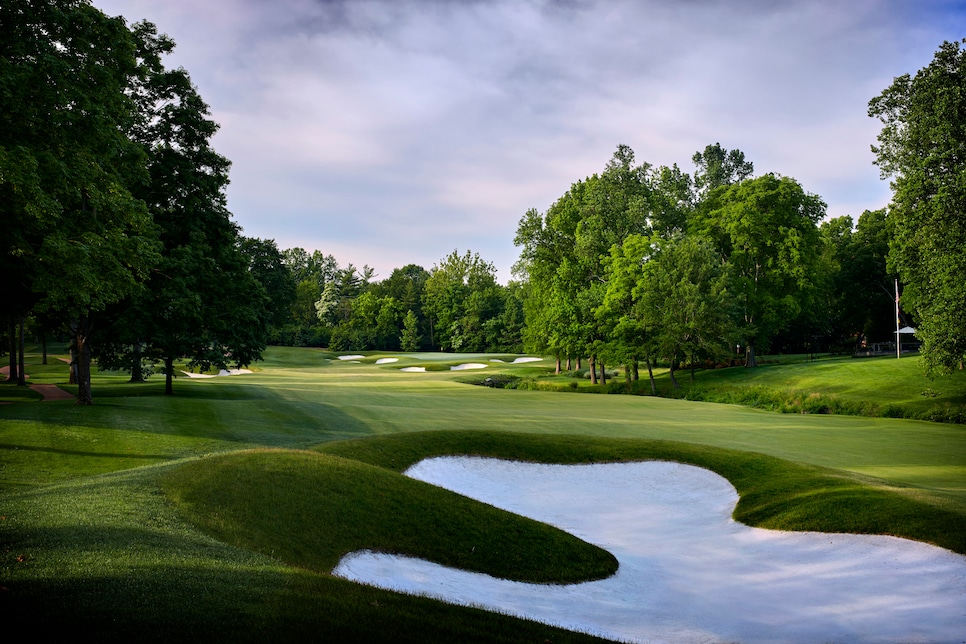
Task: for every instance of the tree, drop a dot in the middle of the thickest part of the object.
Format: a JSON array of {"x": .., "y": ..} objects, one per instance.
[
  {"x": 672, "y": 201},
  {"x": 267, "y": 265},
  {"x": 858, "y": 293},
  {"x": 71, "y": 228},
  {"x": 461, "y": 295},
  {"x": 716, "y": 167},
  {"x": 684, "y": 288},
  {"x": 407, "y": 286},
  {"x": 766, "y": 229},
  {"x": 921, "y": 148},
  {"x": 203, "y": 301},
  {"x": 623, "y": 309},
  {"x": 409, "y": 340}
]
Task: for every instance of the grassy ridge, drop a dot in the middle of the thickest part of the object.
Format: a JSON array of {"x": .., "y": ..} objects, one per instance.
[
  {"x": 775, "y": 493},
  {"x": 308, "y": 509},
  {"x": 108, "y": 560}
]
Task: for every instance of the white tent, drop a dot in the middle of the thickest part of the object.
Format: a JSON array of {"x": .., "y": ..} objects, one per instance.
[{"x": 907, "y": 329}]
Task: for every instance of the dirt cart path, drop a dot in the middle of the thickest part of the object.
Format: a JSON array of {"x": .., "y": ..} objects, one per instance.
[{"x": 49, "y": 392}]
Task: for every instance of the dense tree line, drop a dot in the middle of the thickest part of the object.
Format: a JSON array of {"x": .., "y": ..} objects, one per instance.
[
  {"x": 639, "y": 264},
  {"x": 115, "y": 229},
  {"x": 116, "y": 234},
  {"x": 457, "y": 305}
]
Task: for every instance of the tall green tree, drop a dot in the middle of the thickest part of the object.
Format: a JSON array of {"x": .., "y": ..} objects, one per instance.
[
  {"x": 71, "y": 229},
  {"x": 921, "y": 148},
  {"x": 716, "y": 166},
  {"x": 684, "y": 287},
  {"x": 461, "y": 295},
  {"x": 766, "y": 229},
  {"x": 267, "y": 265},
  {"x": 202, "y": 302},
  {"x": 623, "y": 311},
  {"x": 858, "y": 301},
  {"x": 407, "y": 286},
  {"x": 409, "y": 340}
]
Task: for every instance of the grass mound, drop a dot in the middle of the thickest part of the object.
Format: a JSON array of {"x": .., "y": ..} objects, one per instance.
[
  {"x": 775, "y": 493},
  {"x": 308, "y": 509},
  {"x": 107, "y": 560}
]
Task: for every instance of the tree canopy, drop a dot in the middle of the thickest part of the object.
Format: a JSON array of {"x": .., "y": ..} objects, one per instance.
[
  {"x": 72, "y": 230},
  {"x": 921, "y": 148}
]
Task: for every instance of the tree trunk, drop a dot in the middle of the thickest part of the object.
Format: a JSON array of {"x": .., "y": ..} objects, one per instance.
[
  {"x": 603, "y": 373},
  {"x": 692, "y": 368},
  {"x": 569, "y": 368},
  {"x": 593, "y": 370},
  {"x": 671, "y": 373},
  {"x": 578, "y": 362},
  {"x": 72, "y": 379},
  {"x": 557, "y": 370},
  {"x": 627, "y": 373},
  {"x": 168, "y": 375},
  {"x": 43, "y": 342},
  {"x": 82, "y": 358},
  {"x": 22, "y": 376},
  {"x": 650, "y": 374},
  {"x": 635, "y": 370},
  {"x": 137, "y": 373},
  {"x": 12, "y": 374},
  {"x": 750, "y": 360}
]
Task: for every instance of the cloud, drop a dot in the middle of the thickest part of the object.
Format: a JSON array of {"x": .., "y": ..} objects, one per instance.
[{"x": 376, "y": 128}]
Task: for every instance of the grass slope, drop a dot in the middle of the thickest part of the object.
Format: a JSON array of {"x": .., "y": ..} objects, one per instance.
[
  {"x": 309, "y": 509},
  {"x": 877, "y": 387},
  {"x": 113, "y": 524},
  {"x": 775, "y": 493}
]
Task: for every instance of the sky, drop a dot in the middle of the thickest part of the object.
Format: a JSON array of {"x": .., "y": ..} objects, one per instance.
[{"x": 391, "y": 132}]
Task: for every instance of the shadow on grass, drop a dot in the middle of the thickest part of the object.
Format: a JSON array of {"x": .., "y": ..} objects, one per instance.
[
  {"x": 68, "y": 452},
  {"x": 185, "y": 604},
  {"x": 238, "y": 414}
]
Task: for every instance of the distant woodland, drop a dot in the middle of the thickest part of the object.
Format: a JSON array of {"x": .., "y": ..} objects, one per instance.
[{"x": 115, "y": 235}]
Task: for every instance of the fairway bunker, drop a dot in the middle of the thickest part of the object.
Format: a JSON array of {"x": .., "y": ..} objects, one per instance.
[
  {"x": 688, "y": 572},
  {"x": 222, "y": 373}
]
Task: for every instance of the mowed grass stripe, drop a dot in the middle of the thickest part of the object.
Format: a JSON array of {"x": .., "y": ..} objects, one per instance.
[{"x": 302, "y": 407}]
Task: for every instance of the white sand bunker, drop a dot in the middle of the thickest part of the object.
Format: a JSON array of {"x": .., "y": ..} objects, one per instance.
[
  {"x": 223, "y": 372},
  {"x": 387, "y": 360},
  {"x": 468, "y": 365},
  {"x": 413, "y": 369},
  {"x": 688, "y": 572},
  {"x": 519, "y": 360},
  {"x": 352, "y": 357}
]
